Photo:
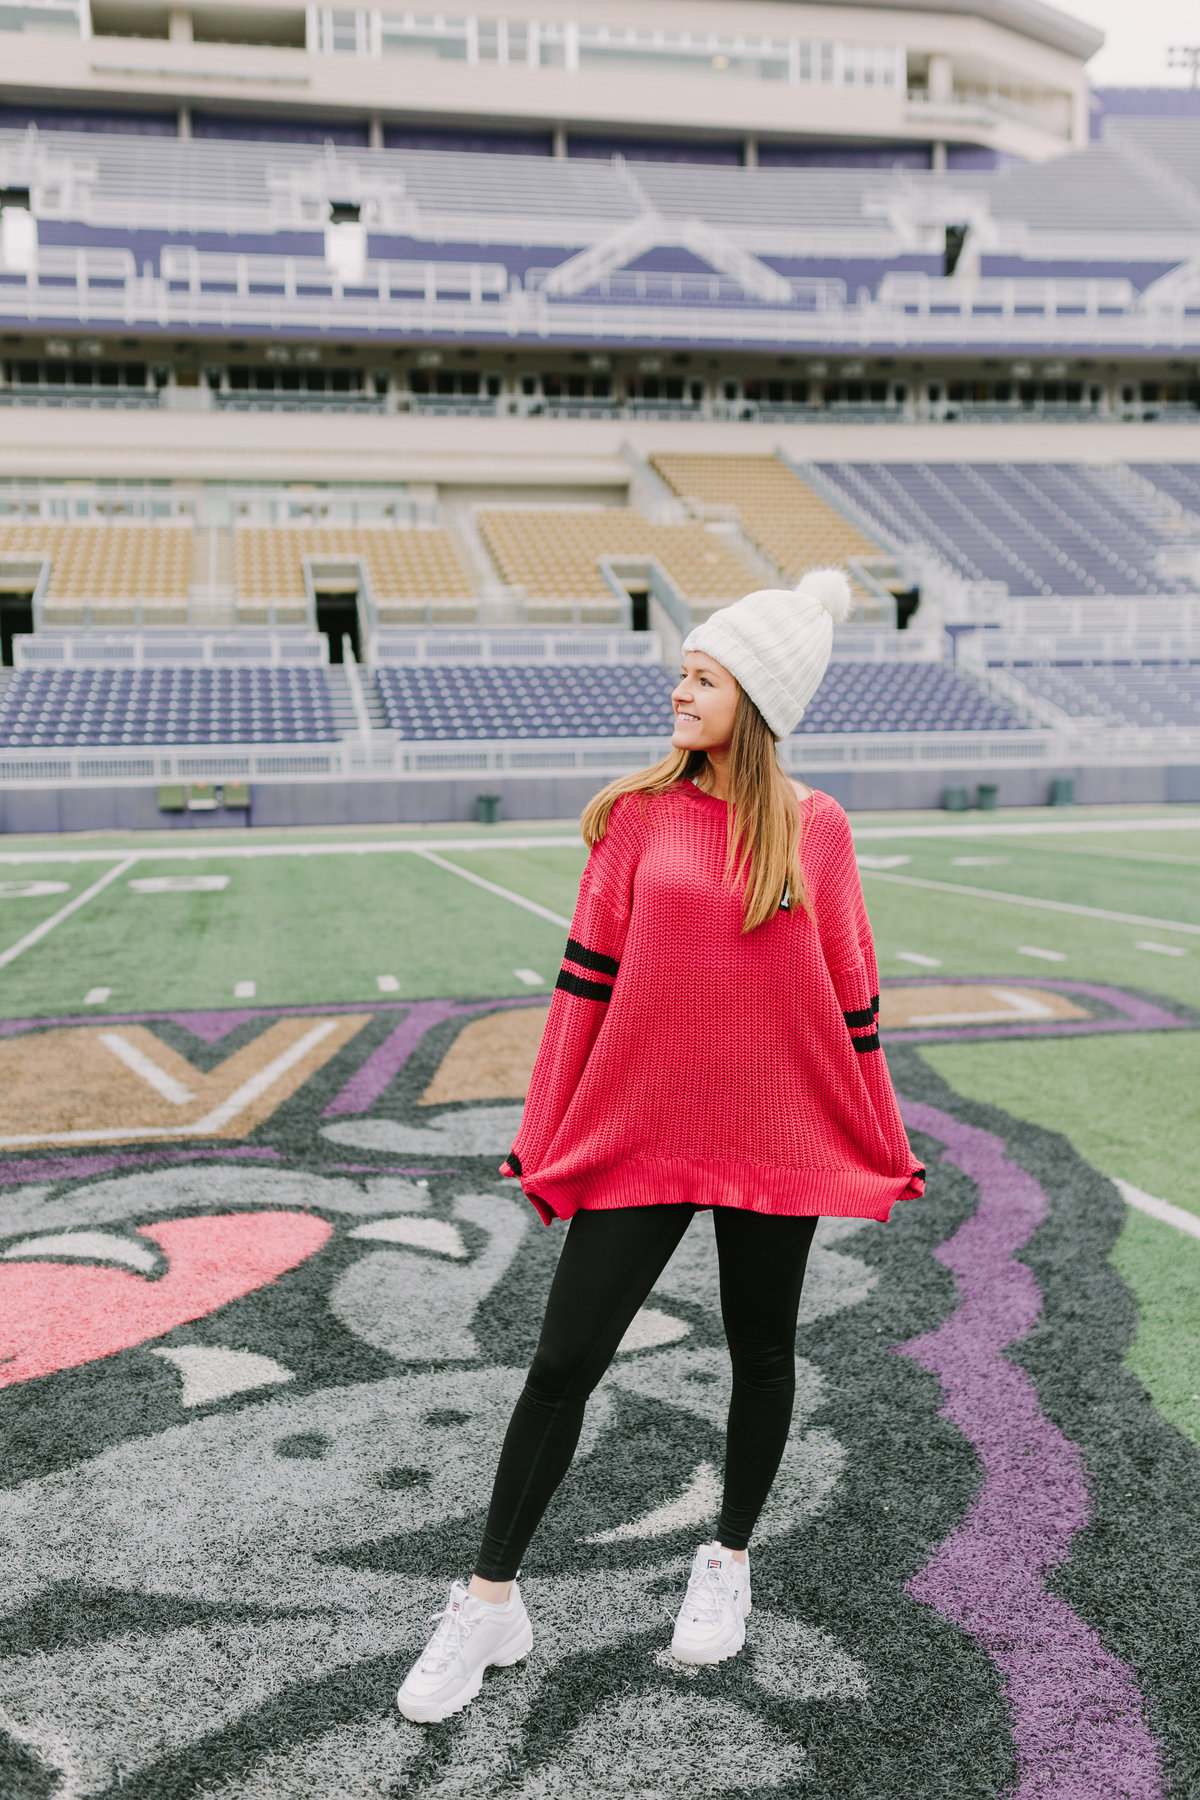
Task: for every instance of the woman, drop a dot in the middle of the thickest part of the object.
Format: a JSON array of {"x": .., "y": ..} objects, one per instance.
[{"x": 711, "y": 1044}]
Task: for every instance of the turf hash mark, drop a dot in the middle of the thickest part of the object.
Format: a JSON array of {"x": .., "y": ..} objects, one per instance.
[{"x": 254, "y": 1394}]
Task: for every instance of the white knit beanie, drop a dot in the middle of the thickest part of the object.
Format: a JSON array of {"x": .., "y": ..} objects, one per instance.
[{"x": 777, "y": 643}]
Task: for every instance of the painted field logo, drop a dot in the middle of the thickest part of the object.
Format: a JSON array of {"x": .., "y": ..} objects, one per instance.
[{"x": 264, "y": 1310}]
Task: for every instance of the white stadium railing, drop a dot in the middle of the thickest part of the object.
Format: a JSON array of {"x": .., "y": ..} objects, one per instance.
[
  {"x": 406, "y": 649},
  {"x": 240, "y": 649},
  {"x": 263, "y": 292},
  {"x": 382, "y": 756}
]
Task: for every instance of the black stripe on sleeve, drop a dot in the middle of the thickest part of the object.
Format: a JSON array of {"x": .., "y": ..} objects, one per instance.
[
  {"x": 866, "y": 1043},
  {"x": 581, "y": 988},
  {"x": 590, "y": 959},
  {"x": 864, "y": 1016},
  {"x": 875, "y": 1004},
  {"x": 514, "y": 1163}
]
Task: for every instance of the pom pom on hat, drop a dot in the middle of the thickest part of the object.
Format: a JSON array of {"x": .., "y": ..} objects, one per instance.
[
  {"x": 777, "y": 642},
  {"x": 831, "y": 588}
]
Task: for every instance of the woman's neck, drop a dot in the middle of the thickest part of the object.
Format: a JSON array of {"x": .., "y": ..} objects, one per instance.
[{"x": 714, "y": 779}]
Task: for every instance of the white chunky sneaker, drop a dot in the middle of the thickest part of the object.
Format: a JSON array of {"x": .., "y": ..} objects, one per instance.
[
  {"x": 472, "y": 1635},
  {"x": 712, "y": 1620}
]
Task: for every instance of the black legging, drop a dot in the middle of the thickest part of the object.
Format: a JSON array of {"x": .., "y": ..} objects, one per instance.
[{"x": 609, "y": 1263}]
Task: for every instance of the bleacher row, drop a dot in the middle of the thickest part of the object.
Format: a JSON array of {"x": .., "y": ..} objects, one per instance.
[
  {"x": 106, "y": 708},
  {"x": 99, "y": 707},
  {"x": 569, "y": 703},
  {"x": 143, "y": 192},
  {"x": 1042, "y": 528}
]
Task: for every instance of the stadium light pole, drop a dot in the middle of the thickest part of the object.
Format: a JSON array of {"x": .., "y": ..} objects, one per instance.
[{"x": 1185, "y": 56}]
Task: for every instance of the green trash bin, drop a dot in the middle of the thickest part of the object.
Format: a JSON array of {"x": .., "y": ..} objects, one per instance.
[
  {"x": 1062, "y": 790},
  {"x": 487, "y": 809},
  {"x": 956, "y": 799},
  {"x": 986, "y": 795}
]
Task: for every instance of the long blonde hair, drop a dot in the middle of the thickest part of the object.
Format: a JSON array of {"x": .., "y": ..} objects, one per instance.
[{"x": 763, "y": 844}]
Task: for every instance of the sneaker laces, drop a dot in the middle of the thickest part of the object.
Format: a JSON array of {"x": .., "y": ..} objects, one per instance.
[
  {"x": 445, "y": 1647},
  {"x": 708, "y": 1592}
]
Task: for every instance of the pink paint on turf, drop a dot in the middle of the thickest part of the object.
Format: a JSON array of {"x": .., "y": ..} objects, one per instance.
[{"x": 60, "y": 1316}]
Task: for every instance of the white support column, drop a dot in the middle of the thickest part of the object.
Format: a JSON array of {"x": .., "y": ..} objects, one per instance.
[
  {"x": 941, "y": 78},
  {"x": 375, "y": 133},
  {"x": 183, "y": 122},
  {"x": 179, "y": 25},
  {"x": 750, "y": 153},
  {"x": 939, "y": 158},
  {"x": 560, "y": 142}
]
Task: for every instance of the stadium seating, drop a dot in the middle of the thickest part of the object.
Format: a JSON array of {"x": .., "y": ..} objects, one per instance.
[
  {"x": 402, "y": 565},
  {"x": 554, "y": 555},
  {"x": 1118, "y": 693},
  {"x": 1180, "y": 480},
  {"x": 165, "y": 706},
  {"x": 1043, "y": 528},
  {"x": 783, "y": 515},
  {"x": 109, "y": 565},
  {"x": 561, "y": 701}
]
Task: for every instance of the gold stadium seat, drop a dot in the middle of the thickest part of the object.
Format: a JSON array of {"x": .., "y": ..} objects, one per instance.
[
  {"x": 554, "y": 555},
  {"x": 781, "y": 512},
  {"x": 407, "y": 569},
  {"x": 112, "y": 568}
]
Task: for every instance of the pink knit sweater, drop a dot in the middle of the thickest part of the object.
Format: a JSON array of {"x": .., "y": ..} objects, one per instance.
[{"x": 685, "y": 1061}]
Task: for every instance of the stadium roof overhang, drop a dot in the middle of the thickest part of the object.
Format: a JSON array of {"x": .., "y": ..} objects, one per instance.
[{"x": 1029, "y": 18}]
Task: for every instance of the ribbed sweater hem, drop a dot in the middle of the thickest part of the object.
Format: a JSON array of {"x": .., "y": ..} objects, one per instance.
[{"x": 754, "y": 1187}]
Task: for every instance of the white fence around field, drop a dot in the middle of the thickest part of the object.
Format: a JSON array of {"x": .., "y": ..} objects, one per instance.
[{"x": 381, "y": 756}]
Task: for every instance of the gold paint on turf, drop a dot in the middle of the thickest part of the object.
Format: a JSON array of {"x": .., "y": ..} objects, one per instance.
[
  {"x": 903, "y": 1007},
  {"x": 66, "y": 1085},
  {"x": 491, "y": 1058}
]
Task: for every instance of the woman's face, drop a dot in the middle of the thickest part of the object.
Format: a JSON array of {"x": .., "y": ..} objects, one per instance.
[{"x": 705, "y": 702}]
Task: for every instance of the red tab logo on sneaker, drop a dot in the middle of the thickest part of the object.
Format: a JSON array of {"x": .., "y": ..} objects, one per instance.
[{"x": 714, "y": 1562}]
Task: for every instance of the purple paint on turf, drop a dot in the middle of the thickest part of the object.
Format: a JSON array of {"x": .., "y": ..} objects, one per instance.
[
  {"x": 67, "y": 1168},
  {"x": 1078, "y": 1718},
  {"x": 1134, "y": 1013},
  {"x": 211, "y": 1027},
  {"x": 384, "y": 1064}
]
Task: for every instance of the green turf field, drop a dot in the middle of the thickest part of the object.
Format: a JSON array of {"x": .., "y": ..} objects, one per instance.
[
  {"x": 264, "y": 1306},
  {"x": 320, "y": 917}
]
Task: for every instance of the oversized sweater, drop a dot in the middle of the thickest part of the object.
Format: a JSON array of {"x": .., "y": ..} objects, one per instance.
[{"x": 686, "y": 1060}]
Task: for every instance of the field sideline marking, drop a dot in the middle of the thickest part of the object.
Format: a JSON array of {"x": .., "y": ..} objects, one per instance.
[
  {"x": 492, "y": 887},
  {"x": 384, "y": 846},
  {"x": 1062, "y": 906},
  {"x": 1158, "y": 1209},
  {"x": 64, "y": 912}
]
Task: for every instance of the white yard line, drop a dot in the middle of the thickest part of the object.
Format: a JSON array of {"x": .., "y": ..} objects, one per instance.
[
  {"x": 392, "y": 847},
  {"x": 1060, "y": 906},
  {"x": 252, "y": 852},
  {"x": 211, "y": 1123},
  {"x": 64, "y": 912},
  {"x": 1159, "y": 1209},
  {"x": 145, "y": 1067},
  {"x": 492, "y": 887}
]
